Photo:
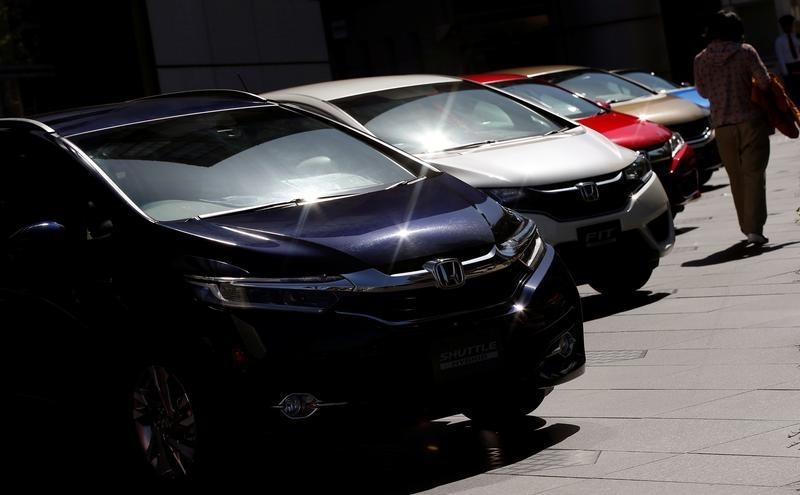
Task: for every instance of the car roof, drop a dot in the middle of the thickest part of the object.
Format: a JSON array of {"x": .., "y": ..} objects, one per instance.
[
  {"x": 333, "y": 90},
  {"x": 492, "y": 77},
  {"x": 537, "y": 70},
  {"x": 87, "y": 119}
]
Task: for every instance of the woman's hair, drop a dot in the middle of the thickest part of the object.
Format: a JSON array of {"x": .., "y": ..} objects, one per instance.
[{"x": 725, "y": 25}]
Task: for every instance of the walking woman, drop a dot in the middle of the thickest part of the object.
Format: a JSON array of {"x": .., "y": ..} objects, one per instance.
[{"x": 724, "y": 72}]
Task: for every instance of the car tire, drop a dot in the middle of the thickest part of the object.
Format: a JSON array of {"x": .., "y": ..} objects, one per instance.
[
  {"x": 704, "y": 176},
  {"x": 179, "y": 422},
  {"x": 500, "y": 413},
  {"x": 621, "y": 283}
]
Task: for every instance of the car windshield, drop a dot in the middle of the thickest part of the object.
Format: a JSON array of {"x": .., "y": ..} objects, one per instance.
[
  {"x": 443, "y": 116},
  {"x": 651, "y": 81},
  {"x": 230, "y": 160},
  {"x": 600, "y": 86},
  {"x": 551, "y": 98}
]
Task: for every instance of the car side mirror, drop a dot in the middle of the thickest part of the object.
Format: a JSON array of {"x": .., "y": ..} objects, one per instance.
[
  {"x": 603, "y": 104},
  {"x": 38, "y": 234},
  {"x": 37, "y": 249}
]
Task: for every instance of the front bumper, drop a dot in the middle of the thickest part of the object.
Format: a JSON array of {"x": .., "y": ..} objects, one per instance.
[
  {"x": 679, "y": 177},
  {"x": 706, "y": 152},
  {"x": 429, "y": 368},
  {"x": 641, "y": 232}
]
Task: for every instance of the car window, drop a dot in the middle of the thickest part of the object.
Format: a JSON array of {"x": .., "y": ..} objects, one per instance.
[
  {"x": 34, "y": 173},
  {"x": 651, "y": 81},
  {"x": 435, "y": 117},
  {"x": 212, "y": 163},
  {"x": 601, "y": 86},
  {"x": 551, "y": 98}
]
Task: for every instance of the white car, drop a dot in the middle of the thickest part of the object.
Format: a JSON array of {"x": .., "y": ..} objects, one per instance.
[{"x": 599, "y": 204}]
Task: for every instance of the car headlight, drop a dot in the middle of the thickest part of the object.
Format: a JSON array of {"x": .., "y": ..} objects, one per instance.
[
  {"x": 639, "y": 170},
  {"x": 675, "y": 143},
  {"x": 668, "y": 150},
  {"x": 507, "y": 195},
  {"x": 310, "y": 294},
  {"x": 525, "y": 244}
]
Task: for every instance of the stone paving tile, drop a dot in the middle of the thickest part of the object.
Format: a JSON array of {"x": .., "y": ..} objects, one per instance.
[
  {"x": 713, "y": 320},
  {"x": 777, "y": 443},
  {"x": 580, "y": 463},
  {"x": 775, "y": 355},
  {"x": 740, "y": 338},
  {"x": 676, "y": 436},
  {"x": 626, "y": 378},
  {"x": 598, "y": 358},
  {"x": 624, "y": 403},
  {"x": 733, "y": 377},
  {"x": 628, "y": 487},
  {"x": 738, "y": 290},
  {"x": 618, "y": 340},
  {"x": 712, "y": 468},
  {"x": 492, "y": 484},
  {"x": 684, "y": 377},
  {"x": 756, "y": 404}
]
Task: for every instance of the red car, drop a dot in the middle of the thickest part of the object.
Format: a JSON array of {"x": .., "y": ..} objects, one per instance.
[{"x": 671, "y": 159}]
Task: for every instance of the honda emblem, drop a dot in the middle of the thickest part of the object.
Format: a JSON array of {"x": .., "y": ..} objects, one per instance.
[
  {"x": 447, "y": 273},
  {"x": 589, "y": 191}
]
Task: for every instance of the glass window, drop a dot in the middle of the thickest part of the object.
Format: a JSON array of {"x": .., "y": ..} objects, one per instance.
[
  {"x": 438, "y": 117},
  {"x": 212, "y": 163},
  {"x": 600, "y": 86},
  {"x": 651, "y": 81},
  {"x": 551, "y": 98}
]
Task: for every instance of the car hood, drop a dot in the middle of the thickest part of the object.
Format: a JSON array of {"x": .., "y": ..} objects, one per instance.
[
  {"x": 572, "y": 155},
  {"x": 392, "y": 230},
  {"x": 662, "y": 109},
  {"x": 627, "y": 130}
]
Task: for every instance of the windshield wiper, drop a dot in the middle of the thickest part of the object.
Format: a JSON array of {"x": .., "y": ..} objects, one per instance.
[
  {"x": 268, "y": 206},
  {"x": 406, "y": 182},
  {"x": 556, "y": 131},
  {"x": 476, "y": 144}
]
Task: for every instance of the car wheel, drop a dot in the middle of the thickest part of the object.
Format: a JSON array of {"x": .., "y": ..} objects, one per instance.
[
  {"x": 704, "y": 176},
  {"x": 621, "y": 283},
  {"x": 180, "y": 410},
  {"x": 502, "y": 413},
  {"x": 164, "y": 423}
]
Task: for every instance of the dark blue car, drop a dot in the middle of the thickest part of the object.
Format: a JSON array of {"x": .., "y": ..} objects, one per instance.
[{"x": 184, "y": 271}]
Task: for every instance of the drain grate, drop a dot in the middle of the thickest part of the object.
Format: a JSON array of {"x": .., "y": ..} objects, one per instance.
[
  {"x": 595, "y": 358},
  {"x": 550, "y": 459}
]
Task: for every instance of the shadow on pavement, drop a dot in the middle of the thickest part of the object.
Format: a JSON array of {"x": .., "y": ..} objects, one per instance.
[
  {"x": 599, "y": 305},
  {"x": 409, "y": 460},
  {"x": 683, "y": 230},
  {"x": 738, "y": 251},
  {"x": 708, "y": 188},
  {"x": 353, "y": 460}
]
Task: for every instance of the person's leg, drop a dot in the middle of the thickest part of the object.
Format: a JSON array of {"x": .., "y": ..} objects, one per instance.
[
  {"x": 754, "y": 157},
  {"x": 728, "y": 144}
]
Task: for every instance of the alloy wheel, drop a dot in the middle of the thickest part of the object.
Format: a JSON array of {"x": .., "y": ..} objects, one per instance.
[{"x": 165, "y": 423}]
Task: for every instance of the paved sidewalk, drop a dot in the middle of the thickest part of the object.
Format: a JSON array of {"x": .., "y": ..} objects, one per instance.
[{"x": 694, "y": 386}]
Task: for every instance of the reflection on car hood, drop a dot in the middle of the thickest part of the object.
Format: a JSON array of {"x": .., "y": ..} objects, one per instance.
[
  {"x": 662, "y": 109},
  {"x": 390, "y": 229},
  {"x": 627, "y": 130},
  {"x": 576, "y": 154}
]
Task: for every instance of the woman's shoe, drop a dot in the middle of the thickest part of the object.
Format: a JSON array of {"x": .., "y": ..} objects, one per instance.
[{"x": 757, "y": 239}]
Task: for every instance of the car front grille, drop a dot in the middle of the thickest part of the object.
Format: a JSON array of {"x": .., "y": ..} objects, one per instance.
[
  {"x": 564, "y": 201},
  {"x": 694, "y": 130},
  {"x": 479, "y": 292}
]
